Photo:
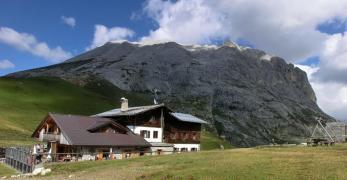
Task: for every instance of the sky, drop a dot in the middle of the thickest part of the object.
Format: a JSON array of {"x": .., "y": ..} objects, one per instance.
[{"x": 310, "y": 34}]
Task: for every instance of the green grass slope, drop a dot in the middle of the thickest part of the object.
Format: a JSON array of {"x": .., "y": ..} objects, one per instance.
[
  {"x": 210, "y": 141},
  {"x": 25, "y": 102},
  {"x": 250, "y": 163}
]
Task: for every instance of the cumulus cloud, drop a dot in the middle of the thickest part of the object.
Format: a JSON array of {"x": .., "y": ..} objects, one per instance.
[
  {"x": 104, "y": 34},
  {"x": 281, "y": 27},
  {"x": 27, "y": 42},
  {"x": 6, "y": 64},
  {"x": 186, "y": 22},
  {"x": 332, "y": 98},
  {"x": 333, "y": 65},
  {"x": 70, "y": 21}
]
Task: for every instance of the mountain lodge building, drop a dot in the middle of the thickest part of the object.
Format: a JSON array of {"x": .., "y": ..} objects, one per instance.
[{"x": 121, "y": 133}]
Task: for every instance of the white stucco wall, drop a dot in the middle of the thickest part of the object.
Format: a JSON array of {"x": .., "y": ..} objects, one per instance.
[
  {"x": 164, "y": 150},
  {"x": 188, "y": 146},
  {"x": 137, "y": 130},
  {"x": 41, "y": 134},
  {"x": 63, "y": 139}
]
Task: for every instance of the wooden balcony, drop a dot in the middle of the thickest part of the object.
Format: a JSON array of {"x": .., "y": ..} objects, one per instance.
[
  {"x": 49, "y": 137},
  {"x": 182, "y": 137}
]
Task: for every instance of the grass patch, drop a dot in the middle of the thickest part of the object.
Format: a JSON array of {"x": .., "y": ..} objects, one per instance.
[
  {"x": 210, "y": 141},
  {"x": 250, "y": 163},
  {"x": 6, "y": 171}
]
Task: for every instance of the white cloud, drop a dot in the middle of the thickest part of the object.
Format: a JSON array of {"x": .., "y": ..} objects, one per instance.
[
  {"x": 27, "y": 42},
  {"x": 335, "y": 52},
  {"x": 332, "y": 98},
  {"x": 70, "y": 21},
  {"x": 6, "y": 64},
  {"x": 333, "y": 60},
  {"x": 186, "y": 22},
  {"x": 281, "y": 27},
  {"x": 103, "y": 34}
]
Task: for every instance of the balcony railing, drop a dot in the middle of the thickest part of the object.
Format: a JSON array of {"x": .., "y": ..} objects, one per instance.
[{"x": 50, "y": 137}]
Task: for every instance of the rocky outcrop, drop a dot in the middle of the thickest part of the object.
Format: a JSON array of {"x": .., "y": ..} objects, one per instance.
[{"x": 249, "y": 97}]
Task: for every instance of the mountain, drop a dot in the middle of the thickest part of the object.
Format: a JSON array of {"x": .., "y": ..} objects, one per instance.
[{"x": 249, "y": 97}]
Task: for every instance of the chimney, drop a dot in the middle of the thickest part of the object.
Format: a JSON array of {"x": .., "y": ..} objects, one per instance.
[
  {"x": 124, "y": 105},
  {"x": 156, "y": 97}
]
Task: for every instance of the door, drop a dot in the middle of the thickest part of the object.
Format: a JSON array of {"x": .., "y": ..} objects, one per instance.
[{"x": 159, "y": 151}]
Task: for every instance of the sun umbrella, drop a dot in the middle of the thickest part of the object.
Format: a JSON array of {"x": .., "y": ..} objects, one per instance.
[
  {"x": 34, "y": 150},
  {"x": 49, "y": 154}
]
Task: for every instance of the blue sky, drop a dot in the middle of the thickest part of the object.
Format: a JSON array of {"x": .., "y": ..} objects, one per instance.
[
  {"x": 310, "y": 34},
  {"x": 43, "y": 20}
]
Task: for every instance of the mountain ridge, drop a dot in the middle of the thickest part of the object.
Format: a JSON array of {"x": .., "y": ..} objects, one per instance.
[{"x": 248, "y": 96}]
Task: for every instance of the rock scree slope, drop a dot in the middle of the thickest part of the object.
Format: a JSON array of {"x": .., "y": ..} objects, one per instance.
[{"x": 249, "y": 97}]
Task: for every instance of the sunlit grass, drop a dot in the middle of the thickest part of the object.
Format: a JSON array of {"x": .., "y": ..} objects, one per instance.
[
  {"x": 6, "y": 171},
  {"x": 253, "y": 163}
]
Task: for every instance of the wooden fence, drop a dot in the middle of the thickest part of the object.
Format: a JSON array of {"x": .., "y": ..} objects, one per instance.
[
  {"x": 20, "y": 158},
  {"x": 72, "y": 157},
  {"x": 23, "y": 160}
]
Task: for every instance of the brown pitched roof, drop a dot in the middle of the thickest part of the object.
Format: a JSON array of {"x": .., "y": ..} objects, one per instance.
[{"x": 75, "y": 130}]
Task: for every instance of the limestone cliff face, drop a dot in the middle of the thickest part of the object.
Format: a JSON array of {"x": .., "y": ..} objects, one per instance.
[{"x": 248, "y": 97}]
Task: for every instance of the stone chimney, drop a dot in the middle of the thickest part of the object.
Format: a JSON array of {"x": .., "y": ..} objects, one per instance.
[{"x": 124, "y": 105}]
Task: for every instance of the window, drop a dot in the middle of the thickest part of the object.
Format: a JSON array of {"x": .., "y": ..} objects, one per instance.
[
  {"x": 155, "y": 134},
  {"x": 184, "y": 149},
  {"x": 145, "y": 134}
]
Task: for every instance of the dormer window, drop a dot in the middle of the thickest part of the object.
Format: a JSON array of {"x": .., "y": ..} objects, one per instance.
[{"x": 107, "y": 127}]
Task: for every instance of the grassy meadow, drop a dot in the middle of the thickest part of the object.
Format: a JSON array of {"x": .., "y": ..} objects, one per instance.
[
  {"x": 6, "y": 171},
  {"x": 241, "y": 163}
]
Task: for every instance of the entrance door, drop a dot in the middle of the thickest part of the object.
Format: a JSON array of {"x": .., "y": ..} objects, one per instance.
[
  {"x": 102, "y": 154},
  {"x": 159, "y": 151}
]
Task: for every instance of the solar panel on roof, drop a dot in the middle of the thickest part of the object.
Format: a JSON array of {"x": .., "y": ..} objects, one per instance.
[{"x": 188, "y": 118}]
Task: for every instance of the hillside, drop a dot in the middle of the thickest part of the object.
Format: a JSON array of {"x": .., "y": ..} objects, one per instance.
[
  {"x": 248, "y": 96},
  {"x": 25, "y": 102},
  {"x": 251, "y": 163}
]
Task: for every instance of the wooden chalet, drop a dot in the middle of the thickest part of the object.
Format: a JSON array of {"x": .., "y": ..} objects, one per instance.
[
  {"x": 89, "y": 137},
  {"x": 120, "y": 133},
  {"x": 164, "y": 129}
]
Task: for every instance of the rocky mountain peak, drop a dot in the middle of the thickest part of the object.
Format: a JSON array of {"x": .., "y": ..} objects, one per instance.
[{"x": 248, "y": 96}]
